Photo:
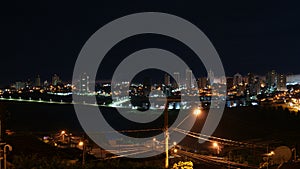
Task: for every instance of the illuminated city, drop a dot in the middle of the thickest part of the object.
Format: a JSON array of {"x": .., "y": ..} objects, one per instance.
[{"x": 160, "y": 85}]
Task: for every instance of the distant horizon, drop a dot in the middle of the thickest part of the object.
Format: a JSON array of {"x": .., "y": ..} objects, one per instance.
[{"x": 157, "y": 79}]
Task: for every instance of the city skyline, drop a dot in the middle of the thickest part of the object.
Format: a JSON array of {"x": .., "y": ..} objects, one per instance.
[
  {"x": 146, "y": 84},
  {"x": 179, "y": 77}
]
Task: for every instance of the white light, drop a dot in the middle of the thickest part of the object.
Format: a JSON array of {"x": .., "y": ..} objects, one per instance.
[
  {"x": 197, "y": 112},
  {"x": 81, "y": 143}
]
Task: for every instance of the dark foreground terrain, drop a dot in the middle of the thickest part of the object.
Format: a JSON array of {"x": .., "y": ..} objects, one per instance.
[{"x": 259, "y": 125}]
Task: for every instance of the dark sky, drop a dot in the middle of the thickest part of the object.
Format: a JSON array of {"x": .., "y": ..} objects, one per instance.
[{"x": 46, "y": 37}]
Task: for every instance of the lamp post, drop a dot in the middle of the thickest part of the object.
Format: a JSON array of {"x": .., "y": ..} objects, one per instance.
[
  {"x": 268, "y": 156},
  {"x": 166, "y": 136},
  {"x": 272, "y": 153},
  {"x": 196, "y": 112},
  {"x": 10, "y": 149},
  {"x": 63, "y": 135},
  {"x": 153, "y": 144},
  {"x": 217, "y": 147},
  {"x": 82, "y": 144}
]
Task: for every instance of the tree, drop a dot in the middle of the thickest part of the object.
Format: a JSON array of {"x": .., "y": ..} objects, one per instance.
[{"x": 183, "y": 165}]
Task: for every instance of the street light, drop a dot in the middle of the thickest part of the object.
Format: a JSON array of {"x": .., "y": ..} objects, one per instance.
[
  {"x": 82, "y": 144},
  {"x": 197, "y": 112},
  {"x": 10, "y": 149},
  {"x": 153, "y": 144},
  {"x": 217, "y": 147},
  {"x": 166, "y": 128},
  {"x": 63, "y": 135},
  {"x": 272, "y": 153}
]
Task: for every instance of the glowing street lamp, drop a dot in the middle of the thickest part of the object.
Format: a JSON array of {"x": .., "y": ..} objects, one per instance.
[
  {"x": 153, "y": 144},
  {"x": 63, "y": 135},
  {"x": 217, "y": 147},
  {"x": 81, "y": 143},
  {"x": 197, "y": 112},
  {"x": 271, "y": 153}
]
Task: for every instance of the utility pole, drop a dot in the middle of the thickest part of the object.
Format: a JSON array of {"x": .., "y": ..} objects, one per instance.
[
  {"x": 295, "y": 153},
  {"x": 83, "y": 154},
  {"x": 83, "y": 145},
  {"x": 267, "y": 156},
  {"x": 166, "y": 135}
]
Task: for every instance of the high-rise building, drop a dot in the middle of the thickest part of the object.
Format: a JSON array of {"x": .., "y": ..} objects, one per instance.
[
  {"x": 281, "y": 82},
  {"x": 189, "y": 78},
  {"x": 253, "y": 85},
  {"x": 271, "y": 79},
  {"x": 223, "y": 80},
  {"x": 229, "y": 82},
  {"x": 211, "y": 77},
  {"x": 237, "y": 79},
  {"x": 20, "y": 85},
  {"x": 167, "y": 79},
  {"x": 37, "y": 82},
  {"x": 177, "y": 78},
  {"x": 28, "y": 83},
  {"x": 84, "y": 83},
  {"x": 55, "y": 79},
  {"x": 202, "y": 82},
  {"x": 251, "y": 78},
  {"x": 46, "y": 83},
  {"x": 147, "y": 86},
  {"x": 245, "y": 80}
]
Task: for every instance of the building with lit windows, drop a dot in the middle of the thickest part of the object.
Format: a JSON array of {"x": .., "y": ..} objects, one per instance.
[
  {"x": 84, "y": 83},
  {"x": 167, "y": 79},
  {"x": 237, "y": 79},
  {"x": 37, "y": 82},
  {"x": 211, "y": 77},
  {"x": 202, "y": 82},
  {"x": 55, "y": 79},
  {"x": 271, "y": 80},
  {"x": 189, "y": 78},
  {"x": 19, "y": 85},
  {"x": 281, "y": 82},
  {"x": 177, "y": 78}
]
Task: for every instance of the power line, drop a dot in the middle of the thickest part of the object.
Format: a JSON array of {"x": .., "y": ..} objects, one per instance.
[{"x": 214, "y": 139}]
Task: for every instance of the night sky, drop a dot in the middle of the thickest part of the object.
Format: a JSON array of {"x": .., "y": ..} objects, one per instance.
[{"x": 46, "y": 37}]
